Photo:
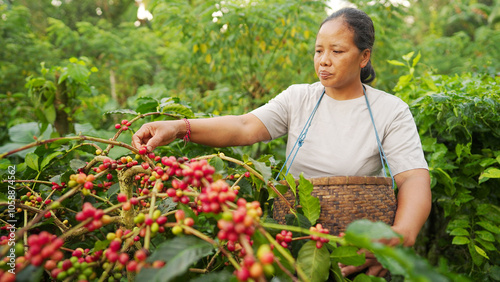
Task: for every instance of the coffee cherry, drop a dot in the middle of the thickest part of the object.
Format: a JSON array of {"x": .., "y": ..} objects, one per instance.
[
  {"x": 123, "y": 258},
  {"x": 180, "y": 215},
  {"x": 141, "y": 255},
  {"x": 118, "y": 126},
  {"x": 256, "y": 270},
  {"x": 143, "y": 151},
  {"x": 122, "y": 198},
  {"x": 176, "y": 230},
  {"x": 115, "y": 245},
  {"x": 132, "y": 266},
  {"x": 243, "y": 274}
]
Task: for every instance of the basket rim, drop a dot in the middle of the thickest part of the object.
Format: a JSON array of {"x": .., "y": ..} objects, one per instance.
[{"x": 346, "y": 180}]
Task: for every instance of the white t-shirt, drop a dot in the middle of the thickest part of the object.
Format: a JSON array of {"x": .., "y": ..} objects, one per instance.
[{"x": 341, "y": 139}]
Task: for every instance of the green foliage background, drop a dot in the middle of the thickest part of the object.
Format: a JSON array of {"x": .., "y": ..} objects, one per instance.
[{"x": 62, "y": 68}]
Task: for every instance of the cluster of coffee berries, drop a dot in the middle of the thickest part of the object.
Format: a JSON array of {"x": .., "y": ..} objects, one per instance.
[
  {"x": 139, "y": 262},
  {"x": 42, "y": 247},
  {"x": 239, "y": 221},
  {"x": 181, "y": 219},
  {"x": 256, "y": 268},
  {"x": 6, "y": 276},
  {"x": 77, "y": 267},
  {"x": 128, "y": 161},
  {"x": 237, "y": 175},
  {"x": 33, "y": 200},
  {"x": 58, "y": 187},
  {"x": 97, "y": 215},
  {"x": 284, "y": 238},
  {"x": 156, "y": 222},
  {"x": 319, "y": 240},
  {"x": 106, "y": 163},
  {"x": 124, "y": 125},
  {"x": 82, "y": 178},
  {"x": 215, "y": 197},
  {"x": 113, "y": 253}
]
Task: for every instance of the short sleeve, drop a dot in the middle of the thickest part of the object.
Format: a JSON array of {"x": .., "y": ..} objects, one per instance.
[
  {"x": 402, "y": 143},
  {"x": 275, "y": 114}
]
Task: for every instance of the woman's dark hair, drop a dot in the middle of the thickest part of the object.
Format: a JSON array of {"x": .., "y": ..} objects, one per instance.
[{"x": 364, "y": 35}]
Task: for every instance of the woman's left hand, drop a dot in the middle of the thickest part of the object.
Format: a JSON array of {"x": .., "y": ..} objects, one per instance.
[{"x": 370, "y": 267}]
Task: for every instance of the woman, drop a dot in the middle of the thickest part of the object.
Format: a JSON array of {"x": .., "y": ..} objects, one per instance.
[{"x": 341, "y": 139}]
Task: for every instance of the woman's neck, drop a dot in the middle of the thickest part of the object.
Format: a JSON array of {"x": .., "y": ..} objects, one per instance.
[{"x": 345, "y": 93}]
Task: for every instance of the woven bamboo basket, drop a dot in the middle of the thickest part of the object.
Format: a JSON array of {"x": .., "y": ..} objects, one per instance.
[{"x": 344, "y": 199}]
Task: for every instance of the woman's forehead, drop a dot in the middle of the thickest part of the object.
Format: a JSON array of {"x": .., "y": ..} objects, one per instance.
[{"x": 334, "y": 32}]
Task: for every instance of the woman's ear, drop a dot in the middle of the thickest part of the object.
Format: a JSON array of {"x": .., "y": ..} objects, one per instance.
[{"x": 365, "y": 57}]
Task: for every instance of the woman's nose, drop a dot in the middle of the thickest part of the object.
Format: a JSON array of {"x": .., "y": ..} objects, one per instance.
[{"x": 325, "y": 60}]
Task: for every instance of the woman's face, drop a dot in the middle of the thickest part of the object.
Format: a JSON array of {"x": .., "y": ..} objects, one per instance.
[{"x": 337, "y": 60}]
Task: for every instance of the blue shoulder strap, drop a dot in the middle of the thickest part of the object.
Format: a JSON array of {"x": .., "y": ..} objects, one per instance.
[
  {"x": 301, "y": 138},
  {"x": 303, "y": 134}
]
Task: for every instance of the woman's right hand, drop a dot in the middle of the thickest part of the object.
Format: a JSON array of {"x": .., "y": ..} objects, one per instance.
[{"x": 157, "y": 133}]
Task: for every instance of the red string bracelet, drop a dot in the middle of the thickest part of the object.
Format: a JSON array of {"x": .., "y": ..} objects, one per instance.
[{"x": 187, "y": 137}]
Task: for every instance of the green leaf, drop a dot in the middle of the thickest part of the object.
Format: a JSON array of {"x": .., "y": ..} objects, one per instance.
[
  {"x": 31, "y": 160},
  {"x": 476, "y": 257},
  {"x": 348, "y": 255},
  {"x": 75, "y": 164},
  {"x": 180, "y": 253},
  {"x": 263, "y": 169},
  {"x": 223, "y": 275},
  {"x": 310, "y": 204},
  {"x": 460, "y": 240},
  {"x": 459, "y": 232},
  {"x": 178, "y": 109},
  {"x": 396, "y": 63},
  {"x": 3, "y": 198},
  {"x": 491, "y": 172},
  {"x": 281, "y": 188},
  {"x": 408, "y": 56},
  {"x": 487, "y": 245},
  {"x": 217, "y": 163},
  {"x": 30, "y": 273},
  {"x": 297, "y": 220},
  {"x": 101, "y": 245},
  {"x": 368, "y": 278},
  {"x": 485, "y": 235},
  {"x": 416, "y": 59},
  {"x": 314, "y": 262},
  {"x": 122, "y": 111},
  {"x": 457, "y": 223},
  {"x": 78, "y": 72},
  {"x": 488, "y": 226},
  {"x": 49, "y": 158},
  {"x": 291, "y": 183},
  {"x": 364, "y": 230},
  {"x": 481, "y": 251}
]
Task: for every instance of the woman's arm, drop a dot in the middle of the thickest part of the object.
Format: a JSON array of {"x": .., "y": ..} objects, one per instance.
[
  {"x": 216, "y": 132},
  {"x": 414, "y": 203}
]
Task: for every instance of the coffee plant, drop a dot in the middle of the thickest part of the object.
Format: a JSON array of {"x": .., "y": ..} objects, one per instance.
[{"x": 75, "y": 210}]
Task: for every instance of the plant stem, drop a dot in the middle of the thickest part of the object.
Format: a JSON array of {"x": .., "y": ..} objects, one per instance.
[
  {"x": 211, "y": 241},
  {"x": 282, "y": 251},
  {"x": 81, "y": 137},
  {"x": 301, "y": 230}
]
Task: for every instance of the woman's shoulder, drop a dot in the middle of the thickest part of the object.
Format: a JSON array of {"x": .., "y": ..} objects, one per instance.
[
  {"x": 380, "y": 97},
  {"x": 304, "y": 91}
]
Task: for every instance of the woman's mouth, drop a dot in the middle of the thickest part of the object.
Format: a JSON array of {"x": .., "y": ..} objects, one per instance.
[{"x": 324, "y": 74}]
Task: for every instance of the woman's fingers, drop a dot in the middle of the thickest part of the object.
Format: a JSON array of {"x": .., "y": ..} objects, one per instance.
[
  {"x": 370, "y": 267},
  {"x": 154, "y": 134}
]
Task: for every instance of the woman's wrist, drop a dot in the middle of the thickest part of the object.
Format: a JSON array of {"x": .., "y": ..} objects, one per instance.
[
  {"x": 408, "y": 236},
  {"x": 181, "y": 129}
]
